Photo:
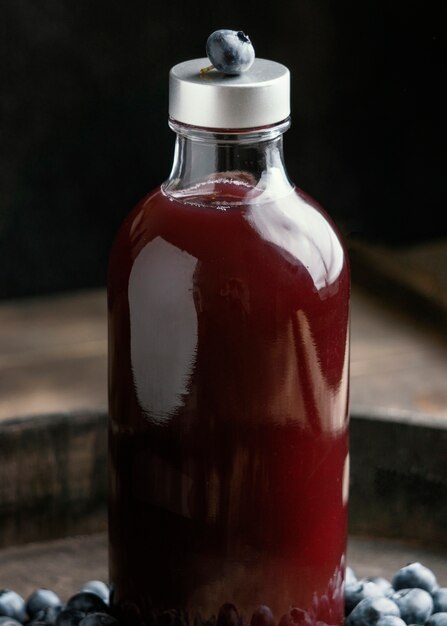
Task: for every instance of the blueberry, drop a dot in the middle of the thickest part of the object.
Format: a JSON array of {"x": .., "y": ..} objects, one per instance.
[
  {"x": 49, "y": 615},
  {"x": 383, "y": 584},
  {"x": 370, "y": 610},
  {"x": 12, "y": 605},
  {"x": 172, "y": 618},
  {"x": 350, "y": 576},
  {"x": 437, "y": 619},
  {"x": 228, "y": 615},
  {"x": 98, "y": 587},
  {"x": 390, "y": 620},
  {"x": 199, "y": 621},
  {"x": 440, "y": 600},
  {"x": 263, "y": 616},
  {"x": 69, "y": 617},
  {"x": 230, "y": 51},
  {"x": 359, "y": 591},
  {"x": 415, "y": 575},
  {"x": 41, "y": 599},
  {"x": 98, "y": 619},
  {"x": 9, "y": 621},
  {"x": 416, "y": 605},
  {"x": 88, "y": 602}
]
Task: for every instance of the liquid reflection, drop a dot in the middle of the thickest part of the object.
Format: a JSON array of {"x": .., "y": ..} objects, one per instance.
[
  {"x": 329, "y": 403},
  {"x": 287, "y": 220},
  {"x": 163, "y": 336}
]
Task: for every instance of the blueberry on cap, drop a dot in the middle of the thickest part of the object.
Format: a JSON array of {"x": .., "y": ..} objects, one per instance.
[{"x": 230, "y": 52}]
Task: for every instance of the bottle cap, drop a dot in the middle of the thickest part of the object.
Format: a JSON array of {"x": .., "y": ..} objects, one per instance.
[{"x": 258, "y": 97}]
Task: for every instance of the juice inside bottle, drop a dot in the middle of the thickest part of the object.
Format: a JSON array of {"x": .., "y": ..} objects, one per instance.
[{"x": 228, "y": 322}]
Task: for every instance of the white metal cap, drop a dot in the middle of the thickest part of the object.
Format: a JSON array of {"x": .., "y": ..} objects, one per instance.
[{"x": 258, "y": 97}]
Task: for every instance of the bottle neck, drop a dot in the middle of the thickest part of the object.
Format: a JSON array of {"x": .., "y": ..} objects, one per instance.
[{"x": 237, "y": 163}]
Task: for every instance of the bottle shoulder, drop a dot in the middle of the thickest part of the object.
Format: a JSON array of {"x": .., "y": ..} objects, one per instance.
[{"x": 293, "y": 230}]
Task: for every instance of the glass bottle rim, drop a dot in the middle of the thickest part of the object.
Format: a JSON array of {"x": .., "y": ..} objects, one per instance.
[{"x": 230, "y": 135}]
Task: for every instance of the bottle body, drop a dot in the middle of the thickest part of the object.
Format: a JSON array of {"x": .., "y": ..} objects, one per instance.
[{"x": 228, "y": 322}]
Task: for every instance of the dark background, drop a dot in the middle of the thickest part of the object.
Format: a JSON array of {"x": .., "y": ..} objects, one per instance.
[{"x": 84, "y": 118}]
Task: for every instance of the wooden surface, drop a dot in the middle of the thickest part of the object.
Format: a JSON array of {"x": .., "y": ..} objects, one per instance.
[
  {"x": 64, "y": 565},
  {"x": 53, "y": 477},
  {"x": 398, "y": 361},
  {"x": 53, "y": 356},
  {"x": 53, "y": 353},
  {"x": 414, "y": 274},
  {"x": 398, "y": 477}
]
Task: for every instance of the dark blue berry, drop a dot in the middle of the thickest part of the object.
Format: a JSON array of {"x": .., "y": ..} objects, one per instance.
[
  {"x": 40, "y": 600},
  {"x": 172, "y": 617},
  {"x": 415, "y": 575},
  {"x": 228, "y": 615},
  {"x": 357, "y": 592},
  {"x": 390, "y": 620},
  {"x": 230, "y": 51},
  {"x": 263, "y": 616},
  {"x": 437, "y": 619},
  {"x": 416, "y": 605},
  {"x": 98, "y": 587},
  {"x": 49, "y": 615},
  {"x": 98, "y": 619},
  {"x": 383, "y": 584},
  {"x": 370, "y": 610},
  {"x": 12, "y": 605},
  {"x": 69, "y": 617},
  {"x": 200, "y": 621},
  {"x": 88, "y": 602},
  {"x": 440, "y": 600},
  {"x": 9, "y": 621}
]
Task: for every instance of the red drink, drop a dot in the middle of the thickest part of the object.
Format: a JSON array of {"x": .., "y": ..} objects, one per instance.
[
  {"x": 228, "y": 310},
  {"x": 228, "y": 432}
]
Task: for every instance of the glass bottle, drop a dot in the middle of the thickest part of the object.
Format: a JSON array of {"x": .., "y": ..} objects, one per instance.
[{"x": 228, "y": 298}]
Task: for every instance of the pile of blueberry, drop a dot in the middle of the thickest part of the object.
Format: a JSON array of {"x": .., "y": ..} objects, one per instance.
[
  {"x": 412, "y": 597},
  {"x": 89, "y": 607}
]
